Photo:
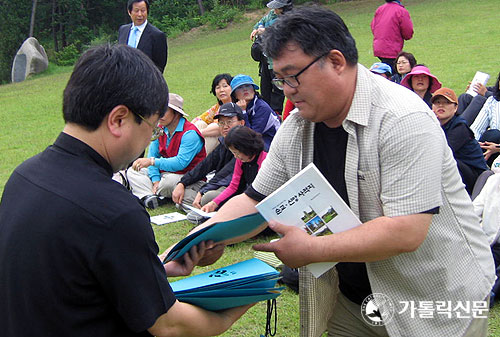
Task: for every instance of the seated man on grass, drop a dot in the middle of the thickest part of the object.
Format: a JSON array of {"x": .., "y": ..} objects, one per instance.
[
  {"x": 192, "y": 189},
  {"x": 177, "y": 150}
]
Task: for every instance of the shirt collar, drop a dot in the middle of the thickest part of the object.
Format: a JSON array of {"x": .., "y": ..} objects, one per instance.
[
  {"x": 78, "y": 148},
  {"x": 361, "y": 100},
  {"x": 141, "y": 27},
  {"x": 178, "y": 128}
]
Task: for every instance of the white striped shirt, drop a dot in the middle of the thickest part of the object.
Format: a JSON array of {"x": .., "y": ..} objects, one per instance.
[{"x": 488, "y": 117}]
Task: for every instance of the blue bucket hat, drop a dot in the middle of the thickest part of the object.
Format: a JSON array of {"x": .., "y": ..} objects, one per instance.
[
  {"x": 240, "y": 80},
  {"x": 381, "y": 68}
]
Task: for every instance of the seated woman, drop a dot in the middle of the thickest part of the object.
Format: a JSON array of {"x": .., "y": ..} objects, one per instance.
[
  {"x": 422, "y": 82},
  {"x": 404, "y": 64},
  {"x": 469, "y": 106},
  {"x": 258, "y": 114},
  {"x": 221, "y": 89},
  {"x": 466, "y": 150},
  {"x": 487, "y": 123},
  {"x": 247, "y": 147}
]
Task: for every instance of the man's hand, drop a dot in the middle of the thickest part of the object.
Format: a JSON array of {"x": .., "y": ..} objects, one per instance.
[
  {"x": 211, "y": 255},
  {"x": 178, "y": 193},
  {"x": 184, "y": 265},
  {"x": 292, "y": 249},
  {"x": 197, "y": 200}
]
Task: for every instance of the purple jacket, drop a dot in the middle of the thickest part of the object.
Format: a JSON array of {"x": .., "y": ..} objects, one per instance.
[{"x": 391, "y": 25}]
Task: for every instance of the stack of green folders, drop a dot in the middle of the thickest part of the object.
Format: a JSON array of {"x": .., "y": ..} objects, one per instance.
[{"x": 238, "y": 284}]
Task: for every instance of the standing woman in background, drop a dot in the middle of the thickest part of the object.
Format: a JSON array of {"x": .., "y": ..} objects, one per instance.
[{"x": 391, "y": 26}]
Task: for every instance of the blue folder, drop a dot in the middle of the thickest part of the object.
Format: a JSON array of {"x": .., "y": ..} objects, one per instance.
[
  {"x": 217, "y": 232},
  {"x": 238, "y": 284}
]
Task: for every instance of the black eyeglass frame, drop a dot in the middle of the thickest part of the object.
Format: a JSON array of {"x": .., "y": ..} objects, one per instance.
[{"x": 279, "y": 82}]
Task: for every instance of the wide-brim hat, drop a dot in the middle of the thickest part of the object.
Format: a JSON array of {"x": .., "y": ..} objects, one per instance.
[
  {"x": 278, "y": 4},
  {"x": 240, "y": 80},
  {"x": 421, "y": 70},
  {"x": 446, "y": 93},
  {"x": 176, "y": 102}
]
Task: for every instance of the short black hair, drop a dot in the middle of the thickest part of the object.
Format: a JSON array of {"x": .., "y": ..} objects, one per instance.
[
  {"x": 245, "y": 140},
  {"x": 130, "y": 4},
  {"x": 107, "y": 76},
  {"x": 216, "y": 81},
  {"x": 315, "y": 29},
  {"x": 408, "y": 56},
  {"x": 496, "y": 90}
]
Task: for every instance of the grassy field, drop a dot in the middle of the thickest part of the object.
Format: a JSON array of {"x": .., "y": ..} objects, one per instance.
[{"x": 453, "y": 37}]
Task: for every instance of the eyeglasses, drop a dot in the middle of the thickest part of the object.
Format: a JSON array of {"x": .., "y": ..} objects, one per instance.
[
  {"x": 228, "y": 123},
  {"x": 157, "y": 131},
  {"x": 402, "y": 62},
  {"x": 292, "y": 80}
]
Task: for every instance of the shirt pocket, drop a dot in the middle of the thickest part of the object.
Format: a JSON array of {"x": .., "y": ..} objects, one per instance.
[{"x": 370, "y": 204}]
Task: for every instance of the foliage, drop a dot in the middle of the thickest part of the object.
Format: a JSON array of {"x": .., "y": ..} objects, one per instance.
[
  {"x": 221, "y": 15},
  {"x": 68, "y": 56}
]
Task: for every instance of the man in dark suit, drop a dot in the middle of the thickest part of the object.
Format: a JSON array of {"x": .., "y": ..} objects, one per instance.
[{"x": 142, "y": 35}]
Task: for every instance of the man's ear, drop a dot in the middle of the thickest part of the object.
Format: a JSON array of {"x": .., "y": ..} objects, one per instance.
[
  {"x": 337, "y": 60},
  {"x": 116, "y": 120}
]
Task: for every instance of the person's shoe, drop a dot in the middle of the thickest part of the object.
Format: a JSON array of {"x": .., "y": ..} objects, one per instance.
[
  {"x": 151, "y": 201},
  {"x": 196, "y": 218}
]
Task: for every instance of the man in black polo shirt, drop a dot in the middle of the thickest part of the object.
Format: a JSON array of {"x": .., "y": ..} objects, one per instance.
[{"x": 78, "y": 256}]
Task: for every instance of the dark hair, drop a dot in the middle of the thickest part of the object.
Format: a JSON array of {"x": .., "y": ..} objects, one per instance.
[
  {"x": 496, "y": 90},
  {"x": 245, "y": 140},
  {"x": 216, "y": 81},
  {"x": 316, "y": 30},
  {"x": 408, "y": 56},
  {"x": 288, "y": 7},
  {"x": 130, "y": 4},
  {"x": 107, "y": 76}
]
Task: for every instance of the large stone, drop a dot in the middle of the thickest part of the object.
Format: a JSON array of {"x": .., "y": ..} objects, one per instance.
[{"x": 30, "y": 59}]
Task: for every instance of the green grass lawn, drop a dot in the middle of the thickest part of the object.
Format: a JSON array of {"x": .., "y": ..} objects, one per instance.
[{"x": 455, "y": 38}]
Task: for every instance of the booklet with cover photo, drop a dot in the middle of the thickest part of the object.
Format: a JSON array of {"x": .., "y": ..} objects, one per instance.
[{"x": 309, "y": 201}]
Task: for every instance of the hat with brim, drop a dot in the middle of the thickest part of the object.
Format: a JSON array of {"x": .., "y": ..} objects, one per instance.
[
  {"x": 176, "y": 102},
  {"x": 381, "y": 68},
  {"x": 446, "y": 93},
  {"x": 229, "y": 110},
  {"x": 421, "y": 70},
  {"x": 240, "y": 80},
  {"x": 278, "y": 4}
]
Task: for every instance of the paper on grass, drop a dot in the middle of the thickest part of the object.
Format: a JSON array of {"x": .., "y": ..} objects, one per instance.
[
  {"x": 309, "y": 201},
  {"x": 167, "y": 218},
  {"x": 199, "y": 211}
]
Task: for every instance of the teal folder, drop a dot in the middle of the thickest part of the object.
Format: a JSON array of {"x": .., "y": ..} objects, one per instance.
[
  {"x": 238, "y": 284},
  {"x": 217, "y": 232}
]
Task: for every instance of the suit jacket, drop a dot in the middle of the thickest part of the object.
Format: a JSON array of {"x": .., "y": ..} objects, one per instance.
[{"x": 153, "y": 43}]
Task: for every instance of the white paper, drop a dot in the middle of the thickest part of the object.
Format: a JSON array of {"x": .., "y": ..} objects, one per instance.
[
  {"x": 199, "y": 211},
  {"x": 480, "y": 77},
  {"x": 167, "y": 218}
]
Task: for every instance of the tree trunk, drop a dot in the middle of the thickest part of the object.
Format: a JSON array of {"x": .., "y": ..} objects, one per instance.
[
  {"x": 32, "y": 22},
  {"x": 54, "y": 25},
  {"x": 200, "y": 4}
]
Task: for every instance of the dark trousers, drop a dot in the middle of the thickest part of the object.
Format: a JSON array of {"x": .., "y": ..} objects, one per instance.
[
  {"x": 272, "y": 95},
  {"x": 389, "y": 62}
]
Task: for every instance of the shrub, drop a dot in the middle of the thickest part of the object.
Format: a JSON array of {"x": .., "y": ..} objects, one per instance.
[{"x": 68, "y": 56}]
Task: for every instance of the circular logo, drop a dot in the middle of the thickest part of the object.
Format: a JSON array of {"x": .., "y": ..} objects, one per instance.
[{"x": 377, "y": 309}]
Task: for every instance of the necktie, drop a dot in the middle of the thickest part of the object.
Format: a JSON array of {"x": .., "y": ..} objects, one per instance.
[{"x": 133, "y": 37}]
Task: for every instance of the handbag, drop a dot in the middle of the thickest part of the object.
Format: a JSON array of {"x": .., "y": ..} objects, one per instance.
[{"x": 256, "y": 49}]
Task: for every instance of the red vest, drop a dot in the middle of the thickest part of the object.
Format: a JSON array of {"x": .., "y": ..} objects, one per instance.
[{"x": 173, "y": 148}]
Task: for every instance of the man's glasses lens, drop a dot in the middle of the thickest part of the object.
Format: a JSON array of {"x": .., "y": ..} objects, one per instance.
[{"x": 157, "y": 131}]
